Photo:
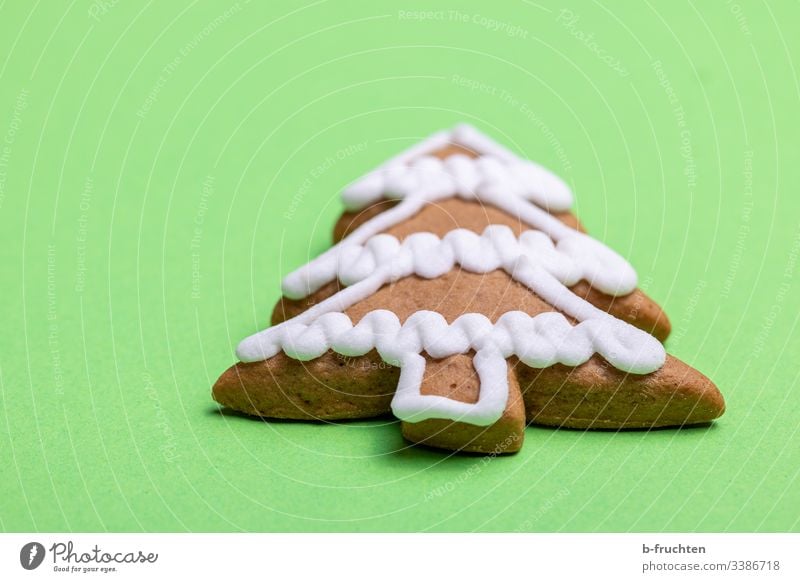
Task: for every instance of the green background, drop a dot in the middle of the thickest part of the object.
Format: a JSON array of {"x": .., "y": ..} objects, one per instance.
[{"x": 162, "y": 164}]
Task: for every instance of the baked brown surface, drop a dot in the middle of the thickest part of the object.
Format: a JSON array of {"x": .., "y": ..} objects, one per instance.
[
  {"x": 597, "y": 395},
  {"x": 330, "y": 387}
]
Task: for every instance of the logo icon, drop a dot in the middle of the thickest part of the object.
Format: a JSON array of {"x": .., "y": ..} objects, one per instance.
[{"x": 31, "y": 555}]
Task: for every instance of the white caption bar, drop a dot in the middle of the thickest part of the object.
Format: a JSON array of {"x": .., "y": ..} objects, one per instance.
[{"x": 403, "y": 557}]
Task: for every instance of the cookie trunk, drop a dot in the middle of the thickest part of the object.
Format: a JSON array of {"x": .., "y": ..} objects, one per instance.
[{"x": 455, "y": 377}]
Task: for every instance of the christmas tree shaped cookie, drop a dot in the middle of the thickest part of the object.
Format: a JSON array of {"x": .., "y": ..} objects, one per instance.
[{"x": 466, "y": 300}]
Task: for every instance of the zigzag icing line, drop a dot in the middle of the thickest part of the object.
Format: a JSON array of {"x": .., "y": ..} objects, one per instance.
[
  {"x": 573, "y": 258},
  {"x": 539, "y": 341}
]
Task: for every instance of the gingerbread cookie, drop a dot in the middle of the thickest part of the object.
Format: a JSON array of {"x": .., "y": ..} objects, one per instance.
[{"x": 468, "y": 305}]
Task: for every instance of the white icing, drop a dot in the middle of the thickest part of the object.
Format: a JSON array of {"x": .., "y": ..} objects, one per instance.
[
  {"x": 573, "y": 258},
  {"x": 539, "y": 341},
  {"x": 467, "y": 136},
  {"x": 415, "y": 172},
  {"x": 461, "y": 175},
  {"x": 462, "y": 134}
]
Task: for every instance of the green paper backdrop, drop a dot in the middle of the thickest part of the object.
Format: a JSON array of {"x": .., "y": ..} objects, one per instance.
[{"x": 162, "y": 164}]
